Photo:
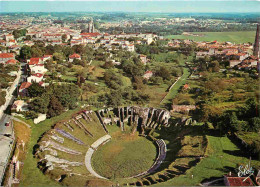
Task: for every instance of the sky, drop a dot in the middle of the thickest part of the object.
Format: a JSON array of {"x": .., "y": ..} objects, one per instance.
[{"x": 171, "y": 6}]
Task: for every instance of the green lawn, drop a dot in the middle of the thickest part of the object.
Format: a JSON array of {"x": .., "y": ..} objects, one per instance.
[
  {"x": 31, "y": 174},
  {"x": 237, "y": 37},
  {"x": 124, "y": 156},
  {"x": 69, "y": 78},
  {"x": 222, "y": 156}
]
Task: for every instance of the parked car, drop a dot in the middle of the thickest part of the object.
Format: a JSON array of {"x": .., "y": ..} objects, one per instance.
[{"x": 7, "y": 124}]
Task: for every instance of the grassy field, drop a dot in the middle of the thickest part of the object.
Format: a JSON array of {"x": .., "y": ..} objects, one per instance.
[
  {"x": 124, "y": 156},
  {"x": 222, "y": 156},
  {"x": 236, "y": 37}
]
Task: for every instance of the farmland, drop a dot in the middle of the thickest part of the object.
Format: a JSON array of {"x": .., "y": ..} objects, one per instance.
[{"x": 234, "y": 37}]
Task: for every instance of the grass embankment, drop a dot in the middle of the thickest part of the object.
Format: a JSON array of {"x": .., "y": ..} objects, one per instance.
[
  {"x": 234, "y": 37},
  {"x": 222, "y": 156},
  {"x": 167, "y": 101},
  {"x": 31, "y": 174},
  {"x": 124, "y": 156}
]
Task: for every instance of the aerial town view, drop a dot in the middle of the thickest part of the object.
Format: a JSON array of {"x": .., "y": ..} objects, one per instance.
[{"x": 129, "y": 93}]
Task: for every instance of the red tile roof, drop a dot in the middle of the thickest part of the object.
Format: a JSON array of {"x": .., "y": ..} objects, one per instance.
[
  {"x": 148, "y": 72},
  {"x": 239, "y": 181},
  {"x": 11, "y": 61},
  {"x": 75, "y": 56},
  {"x": 90, "y": 34},
  {"x": 34, "y": 61},
  {"x": 37, "y": 75},
  {"x": 25, "y": 85},
  {"x": 46, "y": 56},
  {"x": 6, "y": 55},
  {"x": 241, "y": 54}
]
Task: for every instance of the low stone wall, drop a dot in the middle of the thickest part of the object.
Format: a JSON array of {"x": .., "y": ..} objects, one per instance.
[{"x": 90, "y": 152}]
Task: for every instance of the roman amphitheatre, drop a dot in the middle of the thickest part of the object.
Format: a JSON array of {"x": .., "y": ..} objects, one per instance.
[{"x": 118, "y": 146}]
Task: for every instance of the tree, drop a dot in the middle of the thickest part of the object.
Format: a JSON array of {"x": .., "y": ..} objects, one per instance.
[
  {"x": 26, "y": 52},
  {"x": 35, "y": 90},
  {"x": 28, "y": 37},
  {"x": 64, "y": 37},
  {"x": 215, "y": 66},
  {"x": 254, "y": 124},
  {"x": 58, "y": 57},
  {"x": 156, "y": 80},
  {"x": 40, "y": 104},
  {"x": 164, "y": 73},
  {"x": 108, "y": 64},
  {"x": 138, "y": 83},
  {"x": 67, "y": 94},
  {"x": 36, "y": 51},
  {"x": 114, "y": 99},
  {"x": 55, "y": 108},
  {"x": 112, "y": 79},
  {"x": 19, "y": 33}
]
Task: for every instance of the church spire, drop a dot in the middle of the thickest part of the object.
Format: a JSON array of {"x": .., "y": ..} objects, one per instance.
[{"x": 256, "y": 44}]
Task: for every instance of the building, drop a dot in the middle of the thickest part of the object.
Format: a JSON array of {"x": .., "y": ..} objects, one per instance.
[
  {"x": 20, "y": 106},
  {"x": 9, "y": 37},
  {"x": 4, "y": 57},
  {"x": 35, "y": 61},
  {"x": 46, "y": 57},
  {"x": 74, "y": 56},
  {"x": 129, "y": 47},
  {"x": 148, "y": 75},
  {"x": 23, "y": 90},
  {"x": 143, "y": 59},
  {"x": 91, "y": 28},
  {"x": 256, "y": 51},
  {"x": 38, "y": 77},
  {"x": 38, "y": 68},
  {"x": 11, "y": 62},
  {"x": 232, "y": 180},
  {"x": 233, "y": 63}
]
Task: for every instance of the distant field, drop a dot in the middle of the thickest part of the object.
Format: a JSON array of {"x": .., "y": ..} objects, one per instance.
[{"x": 234, "y": 37}]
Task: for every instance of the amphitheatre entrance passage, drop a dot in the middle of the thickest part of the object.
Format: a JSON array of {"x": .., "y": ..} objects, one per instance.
[{"x": 124, "y": 156}]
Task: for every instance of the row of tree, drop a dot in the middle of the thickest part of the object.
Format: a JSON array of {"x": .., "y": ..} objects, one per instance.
[{"x": 54, "y": 99}]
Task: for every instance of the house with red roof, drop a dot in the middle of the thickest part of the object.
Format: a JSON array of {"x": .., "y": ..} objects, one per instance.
[
  {"x": 233, "y": 63},
  {"x": 23, "y": 90},
  {"x": 241, "y": 56},
  {"x": 4, "y": 57},
  {"x": 9, "y": 37},
  {"x": 35, "y": 61},
  {"x": 20, "y": 106},
  {"x": 46, "y": 57},
  {"x": 143, "y": 59},
  {"x": 74, "y": 56},
  {"x": 94, "y": 35},
  {"x": 37, "y": 77},
  {"x": 10, "y": 43},
  {"x": 232, "y": 180},
  {"x": 11, "y": 62},
  {"x": 147, "y": 75}
]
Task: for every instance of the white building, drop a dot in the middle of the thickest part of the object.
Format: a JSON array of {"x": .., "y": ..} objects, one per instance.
[{"x": 38, "y": 77}]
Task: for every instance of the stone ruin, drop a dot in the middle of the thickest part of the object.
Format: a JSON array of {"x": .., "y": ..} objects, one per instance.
[{"x": 138, "y": 118}]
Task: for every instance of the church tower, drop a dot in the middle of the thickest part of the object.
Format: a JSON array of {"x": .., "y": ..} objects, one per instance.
[
  {"x": 91, "y": 28},
  {"x": 256, "y": 51}
]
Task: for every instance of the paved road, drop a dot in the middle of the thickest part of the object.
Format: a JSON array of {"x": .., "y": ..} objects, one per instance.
[
  {"x": 6, "y": 144},
  {"x": 6, "y": 132}
]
